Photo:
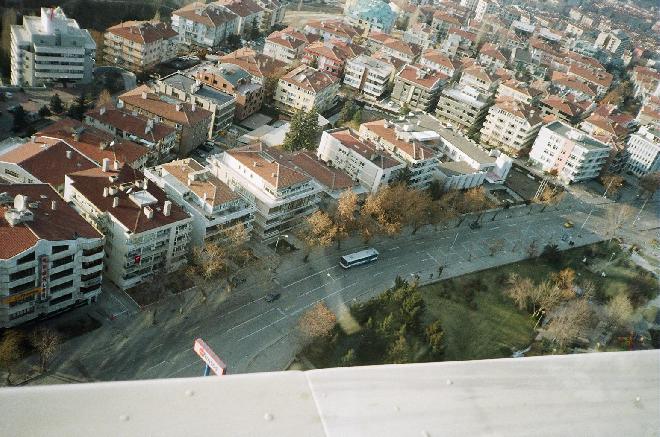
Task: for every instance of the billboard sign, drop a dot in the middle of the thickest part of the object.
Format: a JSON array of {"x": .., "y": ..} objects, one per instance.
[{"x": 210, "y": 358}]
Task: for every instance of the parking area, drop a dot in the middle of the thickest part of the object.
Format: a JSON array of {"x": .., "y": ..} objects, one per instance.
[{"x": 522, "y": 182}]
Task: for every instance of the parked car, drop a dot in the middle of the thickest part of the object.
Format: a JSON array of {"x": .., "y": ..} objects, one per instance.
[
  {"x": 568, "y": 224},
  {"x": 272, "y": 297}
]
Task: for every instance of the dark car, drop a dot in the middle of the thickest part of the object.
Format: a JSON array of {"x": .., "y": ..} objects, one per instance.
[
  {"x": 271, "y": 297},
  {"x": 475, "y": 225}
]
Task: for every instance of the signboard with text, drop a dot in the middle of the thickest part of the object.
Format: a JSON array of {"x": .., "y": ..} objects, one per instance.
[{"x": 210, "y": 358}]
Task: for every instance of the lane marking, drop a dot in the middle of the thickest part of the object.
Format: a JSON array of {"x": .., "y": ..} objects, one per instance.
[
  {"x": 393, "y": 248},
  {"x": 156, "y": 365},
  {"x": 249, "y": 320},
  {"x": 402, "y": 265},
  {"x": 324, "y": 298},
  {"x": 261, "y": 329},
  {"x": 310, "y": 276},
  {"x": 379, "y": 273}
]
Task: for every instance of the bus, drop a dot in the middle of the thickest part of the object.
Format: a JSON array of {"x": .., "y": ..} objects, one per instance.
[{"x": 358, "y": 258}]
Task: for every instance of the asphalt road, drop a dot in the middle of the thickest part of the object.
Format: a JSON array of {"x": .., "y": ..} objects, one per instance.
[{"x": 250, "y": 334}]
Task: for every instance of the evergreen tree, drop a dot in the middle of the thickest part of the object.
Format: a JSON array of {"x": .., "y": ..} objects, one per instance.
[
  {"x": 20, "y": 121},
  {"x": 56, "y": 105},
  {"x": 303, "y": 132},
  {"x": 77, "y": 109}
]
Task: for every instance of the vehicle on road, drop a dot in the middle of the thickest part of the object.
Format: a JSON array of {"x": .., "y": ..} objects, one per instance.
[
  {"x": 475, "y": 225},
  {"x": 568, "y": 224},
  {"x": 359, "y": 258},
  {"x": 272, "y": 297}
]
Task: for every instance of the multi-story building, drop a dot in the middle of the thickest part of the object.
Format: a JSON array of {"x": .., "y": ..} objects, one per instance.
[
  {"x": 511, "y": 126},
  {"x": 408, "y": 142},
  {"x": 600, "y": 79},
  {"x": 332, "y": 30},
  {"x": 646, "y": 82},
  {"x": 250, "y": 15},
  {"x": 237, "y": 82},
  {"x": 287, "y": 45},
  {"x": 51, "y": 48},
  {"x": 41, "y": 162},
  {"x": 420, "y": 34},
  {"x": 213, "y": 206},
  {"x": 206, "y": 25},
  {"x": 261, "y": 67},
  {"x": 273, "y": 13},
  {"x": 518, "y": 91},
  {"x": 568, "y": 152},
  {"x": 370, "y": 14},
  {"x": 561, "y": 108},
  {"x": 643, "y": 151},
  {"x": 192, "y": 123},
  {"x": 492, "y": 57},
  {"x": 330, "y": 57},
  {"x": 50, "y": 258},
  {"x": 485, "y": 7},
  {"x": 187, "y": 89},
  {"x": 443, "y": 22},
  {"x": 146, "y": 235},
  {"x": 140, "y": 45},
  {"x": 401, "y": 50},
  {"x": 615, "y": 42},
  {"x": 369, "y": 75},
  {"x": 363, "y": 161},
  {"x": 479, "y": 78},
  {"x": 306, "y": 88},
  {"x": 283, "y": 195},
  {"x": 418, "y": 87},
  {"x": 463, "y": 107},
  {"x": 159, "y": 138},
  {"x": 459, "y": 42},
  {"x": 438, "y": 61},
  {"x": 94, "y": 144}
]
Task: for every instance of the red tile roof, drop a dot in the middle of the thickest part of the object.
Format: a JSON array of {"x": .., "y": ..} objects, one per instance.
[
  {"x": 216, "y": 191},
  {"x": 143, "y": 32},
  {"x": 91, "y": 184},
  {"x": 48, "y": 162},
  {"x": 143, "y": 98},
  {"x": 422, "y": 76},
  {"x": 333, "y": 178},
  {"x": 601, "y": 78},
  {"x": 94, "y": 143},
  {"x": 255, "y": 63},
  {"x": 269, "y": 164},
  {"x": 364, "y": 148},
  {"x": 209, "y": 15},
  {"x": 60, "y": 224},
  {"x": 132, "y": 124},
  {"x": 309, "y": 78}
]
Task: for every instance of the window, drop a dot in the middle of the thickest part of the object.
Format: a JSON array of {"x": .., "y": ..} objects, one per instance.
[
  {"x": 21, "y": 274},
  {"x": 62, "y": 274},
  {"x": 61, "y": 299},
  {"x": 61, "y": 248},
  {"x": 62, "y": 261}
]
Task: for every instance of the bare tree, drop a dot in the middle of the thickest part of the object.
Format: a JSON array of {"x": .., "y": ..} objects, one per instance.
[
  {"x": 550, "y": 197},
  {"x": 564, "y": 279},
  {"x": 650, "y": 183},
  {"x": 619, "y": 312},
  {"x": 46, "y": 342},
  {"x": 417, "y": 205},
  {"x": 10, "y": 352},
  {"x": 569, "y": 321},
  {"x": 532, "y": 250},
  {"x": 617, "y": 217},
  {"x": 384, "y": 208},
  {"x": 612, "y": 182},
  {"x": 319, "y": 231},
  {"x": 496, "y": 246},
  {"x": 474, "y": 200},
  {"x": 317, "y": 322},
  {"x": 519, "y": 290},
  {"x": 346, "y": 215},
  {"x": 104, "y": 99}
]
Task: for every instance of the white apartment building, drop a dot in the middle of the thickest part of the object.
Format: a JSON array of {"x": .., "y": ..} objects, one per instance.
[
  {"x": 438, "y": 61},
  {"x": 615, "y": 42},
  {"x": 363, "y": 161},
  {"x": 305, "y": 88},
  {"x": 140, "y": 45},
  {"x": 50, "y": 259},
  {"x": 418, "y": 86},
  {"x": 409, "y": 142},
  {"x": 368, "y": 75},
  {"x": 283, "y": 195},
  {"x": 51, "y": 48},
  {"x": 479, "y": 78},
  {"x": 146, "y": 235},
  {"x": 287, "y": 45},
  {"x": 643, "y": 151},
  {"x": 463, "y": 107},
  {"x": 485, "y": 7},
  {"x": 570, "y": 153},
  {"x": 213, "y": 206},
  {"x": 206, "y": 25},
  {"x": 518, "y": 91},
  {"x": 511, "y": 126}
]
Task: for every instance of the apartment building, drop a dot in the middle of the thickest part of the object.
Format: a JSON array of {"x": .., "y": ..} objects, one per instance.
[
  {"x": 250, "y": 15},
  {"x": 305, "y": 88},
  {"x": 287, "y": 45},
  {"x": 192, "y": 123},
  {"x": 478, "y": 77},
  {"x": 443, "y": 22},
  {"x": 511, "y": 126},
  {"x": 94, "y": 144},
  {"x": 370, "y": 14},
  {"x": 643, "y": 151},
  {"x": 570, "y": 153},
  {"x": 438, "y": 61},
  {"x": 614, "y": 42},
  {"x": 283, "y": 195},
  {"x": 213, "y": 206},
  {"x": 368, "y": 75},
  {"x": 41, "y": 162},
  {"x": 328, "y": 30},
  {"x": 491, "y": 56},
  {"x": 159, "y": 138},
  {"x": 405, "y": 52},
  {"x": 560, "y": 108},
  {"x": 236, "y": 82},
  {"x": 140, "y": 45},
  {"x": 458, "y": 42},
  {"x": 569, "y": 85},
  {"x": 409, "y": 142},
  {"x": 272, "y": 15},
  {"x": 205, "y": 25},
  {"x": 518, "y": 91},
  {"x": 600, "y": 80},
  {"x": 257, "y": 64},
  {"x": 330, "y": 57},
  {"x": 51, "y": 48},
  {"x": 221, "y": 105},
  {"x": 646, "y": 82},
  {"x": 50, "y": 259},
  {"x": 146, "y": 235},
  {"x": 463, "y": 107},
  {"x": 421, "y": 35},
  {"x": 363, "y": 161},
  {"x": 485, "y": 7},
  {"x": 418, "y": 87}
]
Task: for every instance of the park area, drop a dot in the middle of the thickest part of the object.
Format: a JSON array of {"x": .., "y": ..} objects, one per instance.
[{"x": 591, "y": 298}]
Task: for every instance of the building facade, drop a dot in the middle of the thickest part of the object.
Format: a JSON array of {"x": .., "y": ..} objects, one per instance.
[
  {"x": 511, "y": 126},
  {"x": 643, "y": 151},
  {"x": 418, "y": 87},
  {"x": 55, "y": 259},
  {"x": 51, "y": 48},
  {"x": 463, "y": 107},
  {"x": 369, "y": 75},
  {"x": 140, "y": 45},
  {"x": 305, "y": 88},
  {"x": 205, "y": 25}
]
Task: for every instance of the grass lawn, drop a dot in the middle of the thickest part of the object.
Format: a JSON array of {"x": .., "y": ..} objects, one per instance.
[{"x": 479, "y": 322}]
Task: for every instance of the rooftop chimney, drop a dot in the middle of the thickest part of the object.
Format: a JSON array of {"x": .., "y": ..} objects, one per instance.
[
  {"x": 106, "y": 164},
  {"x": 116, "y": 165},
  {"x": 53, "y": 205},
  {"x": 69, "y": 154},
  {"x": 167, "y": 208},
  {"x": 145, "y": 184},
  {"x": 105, "y": 191},
  {"x": 144, "y": 95},
  {"x": 115, "y": 202},
  {"x": 178, "y": 107},
  {"x": 102, "y": 110},
  {"x": 149, "y": 212}
]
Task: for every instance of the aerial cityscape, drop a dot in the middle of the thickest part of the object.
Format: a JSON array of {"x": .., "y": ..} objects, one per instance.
[{"x": 234, "y": 187}]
